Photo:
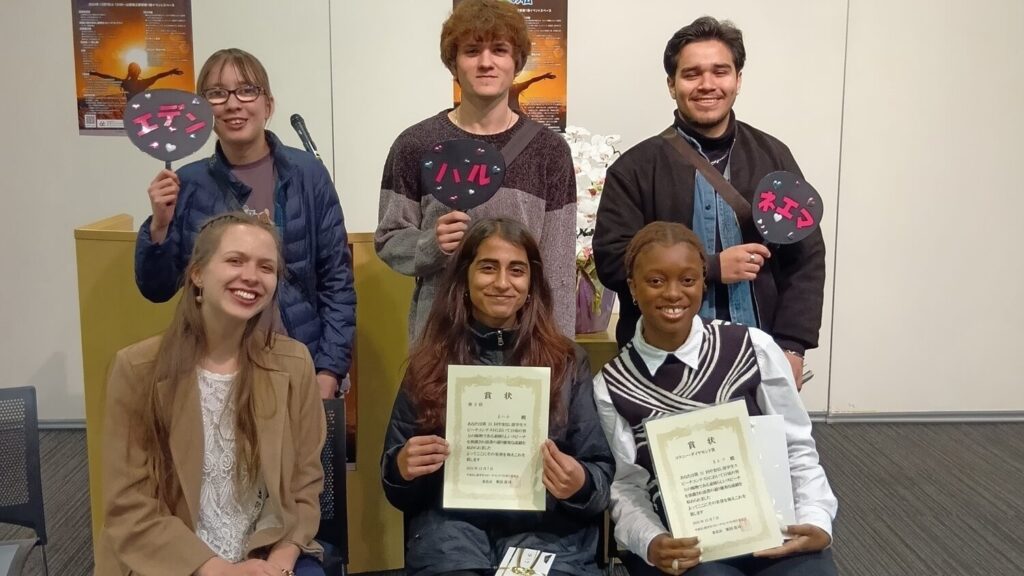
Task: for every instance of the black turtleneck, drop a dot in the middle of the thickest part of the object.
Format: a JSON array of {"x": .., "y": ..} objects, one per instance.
[{"x": 716, "y": 149}]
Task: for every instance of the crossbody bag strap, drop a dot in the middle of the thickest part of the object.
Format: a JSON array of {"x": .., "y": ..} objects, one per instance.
[
  {"x": 726, "y": 190},
  {"x": 520, "y": 140}
]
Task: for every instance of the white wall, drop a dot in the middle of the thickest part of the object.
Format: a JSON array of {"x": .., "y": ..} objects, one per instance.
[
  {"x": 926, "y": 84},
  {"x": 388, "y": 75},
  {"x": 928, "y": 314}
]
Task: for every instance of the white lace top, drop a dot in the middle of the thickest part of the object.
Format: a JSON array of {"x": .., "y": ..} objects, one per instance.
[{"x": 226, "y": 518}]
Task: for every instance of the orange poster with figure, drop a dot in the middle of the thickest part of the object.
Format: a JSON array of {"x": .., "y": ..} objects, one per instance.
[
  {"x": 539, "y": 91},
  {"x": 126, "y": 47}
]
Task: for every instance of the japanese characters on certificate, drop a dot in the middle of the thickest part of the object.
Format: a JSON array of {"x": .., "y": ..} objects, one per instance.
[
  {"x": 496, "y": 421},
  {"x": 711, "y": 482}
]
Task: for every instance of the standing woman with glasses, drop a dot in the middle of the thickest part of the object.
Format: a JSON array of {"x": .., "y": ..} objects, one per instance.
[{"x": 251, "y": 170}]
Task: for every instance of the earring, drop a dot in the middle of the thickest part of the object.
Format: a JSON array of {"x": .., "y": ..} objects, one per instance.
[
  {"x": 199, "y": 297},
  {"x": 634, "y": 301},
  {"x": 527, "y": 297}
]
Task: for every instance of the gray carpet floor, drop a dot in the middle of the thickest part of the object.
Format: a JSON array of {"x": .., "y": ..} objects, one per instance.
[{"x": 914, "y": 499}]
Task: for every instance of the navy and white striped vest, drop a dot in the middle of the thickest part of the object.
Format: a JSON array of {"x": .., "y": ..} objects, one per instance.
[{"x": 726, "y": 370}]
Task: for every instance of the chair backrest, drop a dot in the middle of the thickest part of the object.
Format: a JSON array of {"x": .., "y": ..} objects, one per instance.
[
  {"x": 21, "y": 488},
  {"x": 333, "y": 501}
]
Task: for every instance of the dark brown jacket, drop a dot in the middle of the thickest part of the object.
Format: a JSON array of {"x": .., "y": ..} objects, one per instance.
[{"x": 652, "y": 182}]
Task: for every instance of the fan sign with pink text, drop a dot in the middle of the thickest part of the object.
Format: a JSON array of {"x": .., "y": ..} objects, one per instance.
[
  {"x": 168, "y": 124},
  {"x": 462, "y": 173},
  {"x": 786, "y": 208}
]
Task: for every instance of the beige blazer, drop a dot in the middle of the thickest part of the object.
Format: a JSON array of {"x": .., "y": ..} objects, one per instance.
[{"x": 141, "y": 535}]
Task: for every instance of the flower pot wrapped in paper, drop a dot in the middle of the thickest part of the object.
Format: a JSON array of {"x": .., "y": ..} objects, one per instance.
[
  {"x": 594, "y": 302},
  {"x": 591, "y": 154}
]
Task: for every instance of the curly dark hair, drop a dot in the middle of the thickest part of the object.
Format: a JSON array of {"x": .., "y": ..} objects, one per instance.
[{"x": 700, "y": 30}]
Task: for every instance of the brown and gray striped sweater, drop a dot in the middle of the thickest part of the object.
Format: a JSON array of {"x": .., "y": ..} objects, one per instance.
[{"x": 539, "y": 190}]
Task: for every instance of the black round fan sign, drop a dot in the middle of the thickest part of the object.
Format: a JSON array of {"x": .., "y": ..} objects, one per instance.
[
  {"x": 462, "y": 173},
  {"x": 786, "y": 208},
  {"x": 168, "y": 124}
]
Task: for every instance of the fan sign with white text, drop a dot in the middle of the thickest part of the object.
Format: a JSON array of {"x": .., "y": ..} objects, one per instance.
[
  {"x": 168, "y": 124},
  {"x": 786, "y": 208},
  {"x": 462, "y": 173}
]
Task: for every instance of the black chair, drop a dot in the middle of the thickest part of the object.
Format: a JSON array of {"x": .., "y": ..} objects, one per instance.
[
  {"x": 333, "y": 503},
  {"x": 21, "y": 487},
  {"x": 604, "y": 562}
]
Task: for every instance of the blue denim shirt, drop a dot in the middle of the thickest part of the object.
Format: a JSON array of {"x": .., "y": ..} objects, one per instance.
[{"x": 711, "y": 215}]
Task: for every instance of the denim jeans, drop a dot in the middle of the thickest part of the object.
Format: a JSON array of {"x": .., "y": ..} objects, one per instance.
[{"x": 308, "y": 566}]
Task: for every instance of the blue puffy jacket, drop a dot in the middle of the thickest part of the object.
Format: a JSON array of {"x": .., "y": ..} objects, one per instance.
[{"x": 316, "y": 296}]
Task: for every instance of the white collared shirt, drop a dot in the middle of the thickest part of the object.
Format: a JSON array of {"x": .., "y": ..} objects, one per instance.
[{"x": 636, "y": 522}]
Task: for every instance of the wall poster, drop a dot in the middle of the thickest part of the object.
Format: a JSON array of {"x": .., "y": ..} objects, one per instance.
[{"x": 123, "y": 48}]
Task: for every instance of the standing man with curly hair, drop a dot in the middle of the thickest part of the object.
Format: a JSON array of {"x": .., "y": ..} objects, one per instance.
[{"x": 484, "y": 44}]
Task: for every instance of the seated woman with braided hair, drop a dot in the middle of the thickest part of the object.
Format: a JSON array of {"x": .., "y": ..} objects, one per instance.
[
  {"x": 494, "y": 307},
  {"x": 675, "y": 360}
]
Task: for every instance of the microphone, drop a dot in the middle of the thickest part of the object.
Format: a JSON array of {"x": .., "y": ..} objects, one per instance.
[{"x": 307, "y": 142}]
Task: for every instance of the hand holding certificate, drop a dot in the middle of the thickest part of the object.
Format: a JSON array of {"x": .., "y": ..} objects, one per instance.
[
  {"x": 496, "y": 422},
  {"x": 711, "y": 482},
  {"x": 421, "y": 455},
  {"x": 563, "y": 474}
]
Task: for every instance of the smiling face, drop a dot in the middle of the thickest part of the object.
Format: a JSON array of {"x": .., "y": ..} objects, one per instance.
[
  {"x": 240, "y": 279},
  {"x": 239, "y": 125},
  {"x": 667, "y": 283},
  {"x": 705, "y": 86},
  {"x": 499, "y": 281},
  {"x": 485, "y": 69}
]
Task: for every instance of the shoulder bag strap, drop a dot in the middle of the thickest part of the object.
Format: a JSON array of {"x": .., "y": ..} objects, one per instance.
[
  {"x": 728, "y": 192},
  {"x": 520, "y": 140}
]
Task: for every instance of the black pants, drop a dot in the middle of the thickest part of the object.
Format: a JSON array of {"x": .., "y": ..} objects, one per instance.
[
  {"x": 813, "y": 564},
  {"x": 489, "y": 573}
]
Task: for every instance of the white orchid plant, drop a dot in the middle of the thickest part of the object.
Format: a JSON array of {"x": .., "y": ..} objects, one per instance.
[{"x": 591, "y": 156}]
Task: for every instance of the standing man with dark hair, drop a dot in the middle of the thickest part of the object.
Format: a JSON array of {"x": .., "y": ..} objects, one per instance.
[{"x": 778, "y": 290}]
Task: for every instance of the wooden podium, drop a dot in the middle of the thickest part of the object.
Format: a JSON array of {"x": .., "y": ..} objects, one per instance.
[{"x": 114, "y": 315}]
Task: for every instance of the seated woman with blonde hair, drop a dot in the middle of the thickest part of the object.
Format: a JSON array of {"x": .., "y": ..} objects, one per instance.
[{"x": 213, "y": 430}]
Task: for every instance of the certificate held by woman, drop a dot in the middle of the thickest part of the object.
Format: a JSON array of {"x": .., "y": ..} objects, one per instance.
[
  {"x": 497, "y": 420},
  {"x": 711, "y": 481}
]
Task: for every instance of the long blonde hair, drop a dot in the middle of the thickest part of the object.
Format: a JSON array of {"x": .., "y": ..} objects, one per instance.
[{"x": 181, "y": 350}]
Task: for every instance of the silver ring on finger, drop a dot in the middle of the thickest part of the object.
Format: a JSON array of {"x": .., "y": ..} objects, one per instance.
[
  {"x": 675, "y": 564},
  {"x": 752, "y": 258}
]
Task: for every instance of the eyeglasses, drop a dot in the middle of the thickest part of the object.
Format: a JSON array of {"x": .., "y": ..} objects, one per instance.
[{"x": 246, "y": 93}]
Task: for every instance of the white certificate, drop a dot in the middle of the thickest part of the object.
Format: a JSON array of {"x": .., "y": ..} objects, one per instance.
[
  {"x": 496, "y": 421},
  {"x": 711, "y": 481},
  {"x": 769, "y": 436}
]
